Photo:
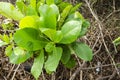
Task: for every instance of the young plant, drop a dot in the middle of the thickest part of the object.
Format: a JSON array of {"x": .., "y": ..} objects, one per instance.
[
  {"x": 48, "y": 30},
  {"x": 117, "y": 41}
]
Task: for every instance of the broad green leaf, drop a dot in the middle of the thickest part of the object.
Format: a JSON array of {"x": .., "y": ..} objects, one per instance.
[
  {"x": 71, "y": 63},
  {"x": 82, "y": 51},
  {"x": 41, "y": 1},
  {"x": 19, "y": 56},
  {"x": 48, "y": 17},
  {"x": 84, "y": 29},
  {"x": 65, "y": 55},
  {"x": 57, "y": 37},
  {"x": 64, "y": 14},
  {"x": 117, "y": 41},
  {"x": 2, "y": 43},
  {"x": 49, "y": 47},
  {"x": 9, "y": 11},
  {"x": 38, "y": 65},
  {"x": 30, "y": 11},
  {"x": 70, "y": 31},
  {"x": 30, "y": 21},
  {"x": 79, "y": 15},
  {"x": 57, "y": 1},
  {"x": 18, "y": 51},
  {"x": 75, "y": 8},
  {"x": 28, "y": 38},
  {"x": 53, "y": 60},
  {"x": 9, "y": 50},
  {"x": 63, "y": 5},
  {"x": 54, "y": 35},
  {"x": 55, "y": 9},
  {"x": 21, "y": 6},
  {"x": 50, "y": 2},
  {"x": 48, "y": 32},
  {"x": 33, "y": 3},
  {"x": 75, "y": 16}
]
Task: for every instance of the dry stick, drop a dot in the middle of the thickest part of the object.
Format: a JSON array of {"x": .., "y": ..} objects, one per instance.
[
  {"x": 111, "y": 77},
  {"x": 96, "y": 41},
  {"x": 100, "y": 27},
  {"x": 103, "y": 78},
  {"x": 15, "y": 72},
  {"x": 5, "y": 78},
  {"x": 113, "y": 44},
  {"x": 87, "y": 68},
  {"x": 53, "y": 76},
  {"x": 81, "y": 74},
  {"x": 43, "y": 76},
  {"x": 111, "y": 14},
  {"x": 114, "y": 8},
  {"x": 79, "y": 65},
  {"x": 77, "y": 71},
  {"x": 10, "y": 71}
]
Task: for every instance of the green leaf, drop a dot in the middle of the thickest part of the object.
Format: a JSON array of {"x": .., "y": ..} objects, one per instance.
[
  {"x": 48, "y": 32},
  {"x": 57, "y": 37},
  {"x": 33, "y": 3},
  {"x": 62, "y": 5},
  {"x": 71, "y": 63},
  {"x": 64, "y": 14},
  {"x": 57, "y": 1},
  {"x": 48, "y": 17},
  {"x": 65, "y": 55},
  {"x": 2, "y": 43},
  {"x": 9, "y": 50},
  {"x": 21, "y": 6},
  {"x": 9, "y": 11},
  {"x": 75, "y": 16},
  {"x": 38, "y": 65},
  {"x": 49, "y": 47},
  {"x": 55, "y": 9},
  {"x": 6, "y": 38},
  {"x": 79, "y": 15},
  {"x": 29, "y": 39},
  {"x": 117, "y": 41},
  {"x": 53, "y": 59},
  {"x": 83, "y": 51},
  {"x": 54, "y": 35},
  {"x": 84, "y": 29},
  {"x": 50, "y": 2},
  {"x": 70, "y": 31},
  {"x": 19, "y": 55},
  {"x": 30, "y": 11},
  {"x": 75, "y": 8},
  {"x": 30, "y": 21}
]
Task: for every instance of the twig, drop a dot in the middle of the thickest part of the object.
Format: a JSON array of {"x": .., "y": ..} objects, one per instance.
[
  {"x": 10, "y": 71},
  {"x": 100, "y": 25},
  {"x": 103, "y": 78},
  {"x": 100, "y": 66},
  {"x": 43, "y": 76},
  {"x": 81, "y": 75},
  {"x": 15, "y": 72},
  {"x": 114, "y": 73},
  {"x": 77, "y": 71},
  {"x": 53, "y": 76}
]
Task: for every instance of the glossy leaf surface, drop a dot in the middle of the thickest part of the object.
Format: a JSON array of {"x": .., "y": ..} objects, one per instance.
[
  {"x": 53, "y": 60},
  {"x": 8, "y": 10},
  {"x": 28, "y": 38},
  {"x": 70, "y": 31},
  {"x": 83, "y": 51},
  {"x": 38, "y": 65}
]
